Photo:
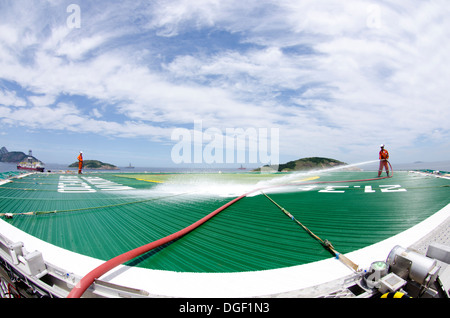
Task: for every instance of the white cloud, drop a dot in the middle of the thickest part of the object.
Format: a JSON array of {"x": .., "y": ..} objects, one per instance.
[
  {"x": 43, "y": 100},
  {"x": 10, "y": 98},
  {"x": 332, "y": 75},
  {"x": 96, "y": 113},
  {"x": 8, "y": 35},
  {"x": 75, "y": 50}
]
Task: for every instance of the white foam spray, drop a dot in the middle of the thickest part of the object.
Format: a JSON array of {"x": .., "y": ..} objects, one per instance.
[
  {"x": 205, "y": 186},
  {"x": 212, "y": 185},
  {"x": 296, "y": 176}
]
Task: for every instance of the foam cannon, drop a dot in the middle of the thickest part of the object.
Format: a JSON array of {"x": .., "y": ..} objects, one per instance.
[{"x": 409, "y": 264}]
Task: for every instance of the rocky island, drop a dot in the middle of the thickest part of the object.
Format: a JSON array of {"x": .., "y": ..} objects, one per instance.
[
  {"x": 95, "y": 164},
  {"x": 305, "y": 164},
  {"x": 14, "y": 156}
]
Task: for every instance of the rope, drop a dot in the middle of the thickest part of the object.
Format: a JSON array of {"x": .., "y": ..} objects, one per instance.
[
  {"x": 295, "y": 220},
  {"x": 325, "y": 243},
  {"x": 95, "y": 207}
]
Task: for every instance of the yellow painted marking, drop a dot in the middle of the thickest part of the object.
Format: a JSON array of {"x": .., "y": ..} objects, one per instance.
[
  {"x": 154, "y": 181},
  {"x": 307, "y": 179},
  {"x": 140, "y": 179}
]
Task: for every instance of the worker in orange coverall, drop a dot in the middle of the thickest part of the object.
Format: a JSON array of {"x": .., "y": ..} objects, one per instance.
[
  {"x": 80, "y": 162},
  {"x": 384, "y": 156}
]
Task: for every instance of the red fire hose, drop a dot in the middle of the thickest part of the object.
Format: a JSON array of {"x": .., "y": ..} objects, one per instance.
[
  {"x": 87, "y": 280},
  {"x": 90, "y": 277}
]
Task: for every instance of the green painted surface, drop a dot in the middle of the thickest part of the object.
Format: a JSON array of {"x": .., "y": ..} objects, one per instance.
[{"x": 252, "y": 234}]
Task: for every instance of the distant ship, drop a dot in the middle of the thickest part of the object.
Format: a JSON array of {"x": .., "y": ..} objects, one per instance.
[
  {"x": 31, "y": 165},
  {"x": 242, "y": 168},
  {"x": 129, "y": 166}
]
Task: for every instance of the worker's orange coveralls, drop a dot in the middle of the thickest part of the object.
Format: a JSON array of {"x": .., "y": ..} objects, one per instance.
[
  {"x": 80, "y": 162},
  {"x": 384, "y": 156}
]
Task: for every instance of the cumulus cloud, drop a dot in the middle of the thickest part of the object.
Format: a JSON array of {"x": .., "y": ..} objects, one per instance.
[
  {"x": 10, "y": 98},
  {"x": 337, "y": 78}
]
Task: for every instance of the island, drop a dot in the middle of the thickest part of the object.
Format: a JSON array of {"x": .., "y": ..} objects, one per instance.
[
  {"x": 95, "y": 164},
  {"x": 305, "y": 164}
]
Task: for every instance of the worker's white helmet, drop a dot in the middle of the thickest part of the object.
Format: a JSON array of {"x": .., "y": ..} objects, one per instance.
[
  {"x": 81, "y": 151},
  {"x": 382, "y": 145}
]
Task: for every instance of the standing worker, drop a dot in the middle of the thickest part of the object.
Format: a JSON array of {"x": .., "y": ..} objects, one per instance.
[
  {"x": 80, "y": 162},
  {"x": 384, "y": 156}
]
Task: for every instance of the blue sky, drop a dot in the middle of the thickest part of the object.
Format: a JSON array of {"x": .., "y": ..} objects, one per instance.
[{"x": 117, "y": 78}]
